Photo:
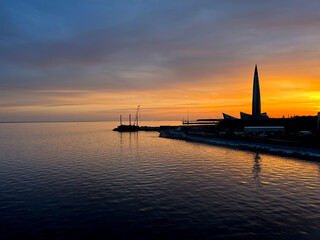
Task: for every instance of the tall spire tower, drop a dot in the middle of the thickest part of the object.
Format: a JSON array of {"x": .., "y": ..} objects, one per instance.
[{"x": 256, "y": 100}]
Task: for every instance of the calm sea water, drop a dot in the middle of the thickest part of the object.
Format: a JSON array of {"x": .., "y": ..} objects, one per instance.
[{"x": 83, "y": 181}]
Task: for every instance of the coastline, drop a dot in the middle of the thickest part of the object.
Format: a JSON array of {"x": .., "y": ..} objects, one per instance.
[{"x": 297, "y": 152}]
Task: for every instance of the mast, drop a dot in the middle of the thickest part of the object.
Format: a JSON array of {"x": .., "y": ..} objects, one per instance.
[
  {"x": 188, "y": 117},
  {"x": 136, "y": 120}
]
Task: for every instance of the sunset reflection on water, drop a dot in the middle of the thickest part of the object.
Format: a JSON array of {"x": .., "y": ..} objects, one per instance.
[{"x": 61, "y": 180}]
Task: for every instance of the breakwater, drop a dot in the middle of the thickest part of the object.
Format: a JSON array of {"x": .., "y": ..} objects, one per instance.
[{"x": 299, "y": 152}]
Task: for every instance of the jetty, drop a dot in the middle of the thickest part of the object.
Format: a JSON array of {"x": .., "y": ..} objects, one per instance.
[{"x": 135, "y": 126}]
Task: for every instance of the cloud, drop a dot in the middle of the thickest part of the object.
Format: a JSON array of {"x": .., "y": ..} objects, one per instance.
[{"x": 116, "y": 47}]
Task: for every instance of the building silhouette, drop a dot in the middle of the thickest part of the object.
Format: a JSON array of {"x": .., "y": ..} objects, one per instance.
[
  {"x": 256, "y": 102},
  {"x": 256, "y": 99}
]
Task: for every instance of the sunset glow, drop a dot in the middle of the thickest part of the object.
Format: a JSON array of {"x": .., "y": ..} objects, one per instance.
[{"x": 196, "y": 58}]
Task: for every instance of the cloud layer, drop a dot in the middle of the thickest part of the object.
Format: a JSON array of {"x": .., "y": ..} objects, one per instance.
[{"x": 63, "y": 53}]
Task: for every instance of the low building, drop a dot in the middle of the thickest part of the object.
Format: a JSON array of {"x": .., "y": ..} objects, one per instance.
[
  {"x": 228, "y": 117},
  {"x": 305, "y": 133},
  {"x": 264, "y": 129}
]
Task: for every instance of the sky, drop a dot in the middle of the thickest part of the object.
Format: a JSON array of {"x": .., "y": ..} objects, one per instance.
[{"x": 87, "y": 60}]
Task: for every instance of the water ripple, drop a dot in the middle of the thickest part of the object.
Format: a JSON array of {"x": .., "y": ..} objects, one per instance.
[{"x": 81, "y": 180}]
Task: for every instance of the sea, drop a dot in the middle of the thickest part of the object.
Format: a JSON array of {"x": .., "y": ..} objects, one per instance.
[{"x": 81, "y": 180}]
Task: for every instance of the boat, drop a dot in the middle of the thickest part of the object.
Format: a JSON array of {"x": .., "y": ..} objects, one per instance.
[
  {"x": 135, "y": 126},
  {"x": 127, "y": 128}
]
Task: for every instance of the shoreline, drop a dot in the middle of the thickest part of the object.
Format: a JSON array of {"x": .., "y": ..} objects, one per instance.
[{"x": 287, "y": 151}]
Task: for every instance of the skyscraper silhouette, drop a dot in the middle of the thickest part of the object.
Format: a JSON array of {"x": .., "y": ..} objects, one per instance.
[{"x": 256, "y": 100}]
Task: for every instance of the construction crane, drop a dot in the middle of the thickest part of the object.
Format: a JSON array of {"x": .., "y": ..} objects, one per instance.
[{"x": 136, "y": 120}]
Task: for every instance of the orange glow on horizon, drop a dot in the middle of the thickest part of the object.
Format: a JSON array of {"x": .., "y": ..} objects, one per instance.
[{"x": 280, "y": 95}]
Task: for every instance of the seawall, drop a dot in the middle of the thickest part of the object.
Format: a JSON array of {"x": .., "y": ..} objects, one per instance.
[{"x": 299, "y": 152}]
